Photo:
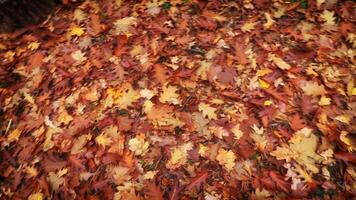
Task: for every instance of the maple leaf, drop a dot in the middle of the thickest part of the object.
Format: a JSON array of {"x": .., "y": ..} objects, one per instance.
[
  {"x": 328, "y": 17},
  {"x": 203, "y": 69},
  {"x": 237, "y": 131},
  {"x": 79, "y": 15},
  {"x": 76, "y": 31},
  {"x": 79, "y": 143},
  {"x": 138, "y": 145},
  {"x": 269, "y": 21},
  {"x": 169, "y": 95},
  {"x": 78, "y": 56},
  {"x": 153, "y": 8},
  {"x": 56, "y": 179},
  {"x": 103, "y": 140},
  {"x": 64, "y": 117},
  {"x": 153, "y": 191},
  {"x": 207, "y": 111},
  {"x": 312, "y": 88},
  {"x": 13, "y": 136},
  {"x": 259, "y": 137},
  {"x": 179, "y": 156},
  {"x": 33, "y": 45},
  {"x": 263, "y": 84},
  {"x": 123, "y": 25},
  {"x": 324, "y": 101},
  {"x": 226, "y": 159},
  {"x": 36, "y": 196},
  {"x": 346, "y": 119},
  {"x": 119, "y": 174},
  {"x": 248, "y": 26},
  {"x": 285, "y": 153},
  {"x": 124, "y": 96},
  {"x": 279, "y": 62},
  {"x": 305, "y": 146},
  {"x": 150, "y": 175}
]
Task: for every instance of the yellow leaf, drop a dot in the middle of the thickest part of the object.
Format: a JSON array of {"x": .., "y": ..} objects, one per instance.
[
  {"x": 150, "y": 175},
  {"x": 36, "y": 196},
  {"x": 226, "y": 159},
  {"x": 31, "y": 171},
  {"x": 259, "y": 137},
  {"x": 248, "y": 26},
  {"x": 138, "y": 145},
  {"x": 169, "y": 95},
  {"x": 122, "y": 26},
  {"x": 79, "y": 15},
  {"x": 346, "y": 119},
  {"x": 303, "y": 173},
  {"x": 64, "y": 117},
  {"x": 10, "y": 55},
  {"x": 269, "y": 21},
  {"x": 92, "y": 95},
  {"x": 146, "y": 93},
  {"x": 346, "y": 138},
  {"x": 179, "y": 156},
  {"x": 217, "y": 101},
  {"x": 351, "y": 89},
  {"x": 76, "y": 31},
  {"x": 56, "y": 179},
  {"x": 203, "y": 69},
  {"x": 33, "y": 45},
  {"x": 170, "y": 121},
  {"x": 137, "y": 50},
  {"x": 79, "y": 143},
  {"x": 263, "y": 84},
  {"x": 13, "y": 136},
  {"x": 267, "y": 103},
  {"x": 147, "y": 106},
  {"x": 207, "y": 111},
  {"x": 324, "y": 101},
  {"x": 279, "y": 62},
  {"x": 305, "y": 147},
  {"x": 124, "y": 96},
  {"x": 237, "y": 131},
  {"x": 284, "y": 153},
  {"x": 312, "y": 88},
  {"x": 328, "y": 17},
  {"x": 103, "y": 140},
  {"x": 28, "y": 98},
  {"x": 263, "y": 72},
  {"x": 78, "y": 56}
]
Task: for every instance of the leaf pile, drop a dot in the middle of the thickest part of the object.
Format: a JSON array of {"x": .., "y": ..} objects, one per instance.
[{"x": 193, "y": 99}]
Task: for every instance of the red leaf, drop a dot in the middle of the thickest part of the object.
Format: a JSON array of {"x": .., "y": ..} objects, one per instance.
[
  {"x": 279, "y": 180},
  {"x": 240, "y": 53},
  {"x": 345, "y": 156},
  {"x": 197, "y": 180},
  {"x": 296, "y": 122},
  {"x": 154, "y": 192}
]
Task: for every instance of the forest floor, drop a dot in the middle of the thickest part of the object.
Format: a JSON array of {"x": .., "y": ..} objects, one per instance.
[{"x": 188, "y": 99}]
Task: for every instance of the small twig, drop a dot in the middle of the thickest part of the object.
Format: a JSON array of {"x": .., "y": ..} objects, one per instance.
[{"x": 8, "y": 126}]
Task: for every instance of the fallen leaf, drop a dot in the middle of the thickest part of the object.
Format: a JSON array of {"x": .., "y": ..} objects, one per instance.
[{"x": 207, "y": 111}]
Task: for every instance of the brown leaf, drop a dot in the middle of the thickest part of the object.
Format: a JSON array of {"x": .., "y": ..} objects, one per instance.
[{"x": 240, "y": 52}]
